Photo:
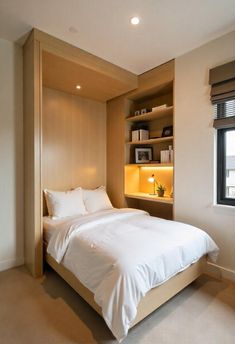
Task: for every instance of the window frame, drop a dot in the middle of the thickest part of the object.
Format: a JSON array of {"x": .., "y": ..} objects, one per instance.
[{"x": 221, "y": 168}]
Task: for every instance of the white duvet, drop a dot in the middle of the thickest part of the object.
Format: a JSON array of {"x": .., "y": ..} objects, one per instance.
[{"x": 120, "y": 254}]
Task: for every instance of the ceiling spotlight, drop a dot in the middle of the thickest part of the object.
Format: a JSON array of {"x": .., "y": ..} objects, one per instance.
[
  {"x": 135, "y": 20},
  {"x": 73, "y": 29},
  {"x": 78, "y": 87}
]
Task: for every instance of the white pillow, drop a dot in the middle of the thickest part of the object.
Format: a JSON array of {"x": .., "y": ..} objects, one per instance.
[
  {"x": 63, "y": 204},
  {"x": 96, "y": 200}
]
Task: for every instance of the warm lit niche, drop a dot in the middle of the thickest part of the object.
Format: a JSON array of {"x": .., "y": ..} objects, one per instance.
[{"x": 137, "y": 183}]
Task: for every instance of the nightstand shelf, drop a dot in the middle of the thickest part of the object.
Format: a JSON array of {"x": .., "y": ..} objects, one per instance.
[{"x": 151, "y": 165}]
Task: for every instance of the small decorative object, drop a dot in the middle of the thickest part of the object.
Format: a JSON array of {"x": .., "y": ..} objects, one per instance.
[
  {"x": 160, "y": 190},
  {"x": 167, "y": 131},
  {"x": 143, "y": 111},
  {"x": 143, "y": 155},
  {"x": 137, "y": 112},
  {"x": 172, "y": 192},
  {"x": 171, "y": 154}
]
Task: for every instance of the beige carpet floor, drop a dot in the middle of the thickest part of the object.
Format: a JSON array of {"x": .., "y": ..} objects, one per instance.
[{"x": 48, "y": 311}]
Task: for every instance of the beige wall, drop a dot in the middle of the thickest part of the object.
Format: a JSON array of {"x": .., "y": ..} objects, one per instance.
[
  {"x": 195, "y": 144},
  {"x": 11, "y": 156}
]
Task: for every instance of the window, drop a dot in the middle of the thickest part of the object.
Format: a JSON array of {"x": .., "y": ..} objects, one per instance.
[
  {"x": 226, "y": 166},
  {"x": 222, "y": 80}
]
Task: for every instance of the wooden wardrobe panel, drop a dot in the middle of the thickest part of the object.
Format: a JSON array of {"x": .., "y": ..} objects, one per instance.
[
  {"x": 32, "y": 157},
  {"x": 74, "y": 141},
  {"x": 116, "y": 150}
]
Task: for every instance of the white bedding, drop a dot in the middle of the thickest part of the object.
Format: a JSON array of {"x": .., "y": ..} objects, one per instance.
[
  {"x": 120, "y": 254},
  {"x": 51, "y": 224}
]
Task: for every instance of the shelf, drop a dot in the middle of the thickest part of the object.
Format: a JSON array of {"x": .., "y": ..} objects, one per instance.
[
  {"x": 151, "y": 141},
  {"x": 152, "y": 115},
  {"x": 148, "y": 197},
  {"x": 151, "y": 165}
]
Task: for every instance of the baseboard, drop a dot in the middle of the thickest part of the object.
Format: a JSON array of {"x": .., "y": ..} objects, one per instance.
[
  {"x": 11, "y": 263},
  {"x": 219, "y": 272}
]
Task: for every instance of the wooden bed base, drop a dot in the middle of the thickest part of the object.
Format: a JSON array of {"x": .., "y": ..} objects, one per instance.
[{"x": 153, "y": 299}]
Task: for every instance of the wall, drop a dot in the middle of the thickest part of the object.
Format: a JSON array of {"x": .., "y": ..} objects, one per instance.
[
  {"x": 74, "y": 141},
  {"x": 11, "y": 156},
  {"x": 195, "y": 145}
]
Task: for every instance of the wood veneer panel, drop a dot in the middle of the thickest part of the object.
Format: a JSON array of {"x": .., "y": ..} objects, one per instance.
[
  {"x": 74, "y": 141},
  {"x": 115, "y": 150},
  {"x": 32, "y": 157}
]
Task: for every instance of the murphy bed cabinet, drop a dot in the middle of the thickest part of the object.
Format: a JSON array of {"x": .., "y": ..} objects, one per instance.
[{"x": 61, "y": 125}]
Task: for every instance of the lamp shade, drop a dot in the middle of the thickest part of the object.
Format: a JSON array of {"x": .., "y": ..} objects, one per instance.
[{"x": 151, "y": 179}]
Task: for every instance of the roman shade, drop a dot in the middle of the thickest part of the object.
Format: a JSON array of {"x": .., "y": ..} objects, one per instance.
[{"x": 222, "y": 81}]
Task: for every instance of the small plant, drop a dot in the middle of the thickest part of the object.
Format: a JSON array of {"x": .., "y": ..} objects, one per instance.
[
  {"x": 161, "y": 187},
  {"x": 160, "y": 190}
]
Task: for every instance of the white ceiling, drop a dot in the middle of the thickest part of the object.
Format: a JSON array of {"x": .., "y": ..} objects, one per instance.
[{"x": 168, "y": 28}]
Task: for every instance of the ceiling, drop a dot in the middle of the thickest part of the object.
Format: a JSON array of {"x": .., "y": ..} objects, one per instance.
[{"x": 167, "y": 29}]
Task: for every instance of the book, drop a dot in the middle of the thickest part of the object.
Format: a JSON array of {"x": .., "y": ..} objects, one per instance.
[{"x": 165, "y": 156}]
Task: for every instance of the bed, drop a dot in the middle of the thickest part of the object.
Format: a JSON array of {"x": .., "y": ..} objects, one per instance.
[{"x": 125, "y": 263}]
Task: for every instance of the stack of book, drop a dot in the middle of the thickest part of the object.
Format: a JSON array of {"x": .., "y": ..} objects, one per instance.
[{"x": 167, "y": 156}]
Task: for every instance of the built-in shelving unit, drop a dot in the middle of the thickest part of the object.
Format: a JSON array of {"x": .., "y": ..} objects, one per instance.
[
  {"x": 137, "y": 187},
  {"x": 128, "y": 182}
]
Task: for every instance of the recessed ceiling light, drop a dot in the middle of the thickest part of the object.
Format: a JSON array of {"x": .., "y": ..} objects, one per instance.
[
  {"x": 78, "y": 87},
  {"x": 135, "y": 20},
  {"x": 73, "y": 29}
]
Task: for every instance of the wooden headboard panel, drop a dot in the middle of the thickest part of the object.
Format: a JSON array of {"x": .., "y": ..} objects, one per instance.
[{"x": 73, "y": 142}]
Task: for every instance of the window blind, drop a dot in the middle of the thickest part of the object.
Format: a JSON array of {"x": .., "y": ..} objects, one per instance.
[{"x": 222, "y": 81}]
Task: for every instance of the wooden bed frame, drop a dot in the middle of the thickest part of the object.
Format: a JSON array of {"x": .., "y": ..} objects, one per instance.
[{"x": 153, "y": 299}]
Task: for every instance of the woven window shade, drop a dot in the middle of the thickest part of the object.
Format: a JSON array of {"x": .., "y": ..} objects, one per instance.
[{"x": 222, "y": 81}]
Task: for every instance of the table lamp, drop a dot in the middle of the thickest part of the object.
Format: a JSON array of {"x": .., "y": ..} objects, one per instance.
[{"x": 154, "y": 182}]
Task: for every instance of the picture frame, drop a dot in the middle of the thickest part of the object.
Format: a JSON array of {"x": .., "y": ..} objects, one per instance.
[
  {"x": 143, "y": 155},
  {"x": 167, "y": 131}
]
